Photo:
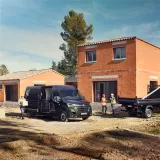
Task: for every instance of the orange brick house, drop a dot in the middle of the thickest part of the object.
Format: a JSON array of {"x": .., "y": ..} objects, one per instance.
[
  {"x": 124, "y": 66},
  {"x": 13, "y": 85}
]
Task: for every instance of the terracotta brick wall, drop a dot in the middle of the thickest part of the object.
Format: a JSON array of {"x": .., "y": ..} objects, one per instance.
[
  {"x": 126, "y": 70},
  {"x": 47, "y": 78},
  {"x": 148, "y": 66},
  {"x": 2, "y": 93}
]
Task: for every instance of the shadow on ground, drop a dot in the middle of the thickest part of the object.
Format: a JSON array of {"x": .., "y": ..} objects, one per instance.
[
  {"x": 115, "y": 144},
  {"x": 110, "y": 115},
  {"x": 40, "y": 117}
]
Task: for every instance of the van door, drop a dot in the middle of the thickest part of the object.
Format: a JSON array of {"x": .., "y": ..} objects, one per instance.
[
  {"x": 46, "y": 100},
  {"x": 33, "y": 96},
  {"x": 54, "y": 105}
]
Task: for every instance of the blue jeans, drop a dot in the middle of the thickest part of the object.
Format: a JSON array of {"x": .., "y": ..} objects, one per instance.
[
  {"x": 104, "y": 108},
  {"x": 112, "y": 105},
  {"x": 22, "y": 111}
]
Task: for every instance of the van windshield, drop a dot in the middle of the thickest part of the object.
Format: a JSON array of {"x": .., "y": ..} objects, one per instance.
[{"x": 71, "y": 95}]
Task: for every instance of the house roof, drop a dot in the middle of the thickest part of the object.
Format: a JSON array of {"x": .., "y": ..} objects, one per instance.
[
  {"x": 24, "y": 74},
  {"x": 115, "y": 40},
  {"x": 105, "y": 41}
]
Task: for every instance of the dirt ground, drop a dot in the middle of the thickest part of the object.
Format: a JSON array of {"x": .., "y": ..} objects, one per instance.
[{"x": 108, "y": 137}]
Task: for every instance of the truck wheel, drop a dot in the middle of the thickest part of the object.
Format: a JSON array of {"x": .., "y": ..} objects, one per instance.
[
  {"x": 148, "y": 113},
  {"x": 84, "y": 118},
  {"x": 63, "y": 116}
]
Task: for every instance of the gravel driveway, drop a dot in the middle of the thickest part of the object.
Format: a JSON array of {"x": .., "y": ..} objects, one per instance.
[{"x": 100, "y": 137}]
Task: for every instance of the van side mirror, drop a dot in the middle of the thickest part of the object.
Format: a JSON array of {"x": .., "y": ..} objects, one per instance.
[{"x": 57, "y": 99}]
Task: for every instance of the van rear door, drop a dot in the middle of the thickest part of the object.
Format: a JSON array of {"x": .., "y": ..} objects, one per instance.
[{"x": 32, "y": 95}]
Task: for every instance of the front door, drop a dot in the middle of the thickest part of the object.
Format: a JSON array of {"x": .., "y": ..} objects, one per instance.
[
  {"x": 102, "y": 88},
  {"x": 106, "y": 87}
]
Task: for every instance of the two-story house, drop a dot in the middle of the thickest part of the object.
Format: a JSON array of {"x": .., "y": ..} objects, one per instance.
[{"x": 124, "y": 66}]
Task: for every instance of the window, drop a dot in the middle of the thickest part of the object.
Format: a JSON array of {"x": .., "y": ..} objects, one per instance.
[
  {"x": 91, "y": 56},
  {"x": 71, "y": 95},
  {"x": 120, "y": 53},
  {"x": 0, "y": 87},
  {"x": 55, "y": 93},
  {"x": 153, "y": 85}
]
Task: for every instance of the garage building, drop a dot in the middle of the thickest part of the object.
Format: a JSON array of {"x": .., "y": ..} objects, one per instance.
[{"x": 13, "y": 85}]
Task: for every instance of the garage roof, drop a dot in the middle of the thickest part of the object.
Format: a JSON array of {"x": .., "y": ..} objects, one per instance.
[{"x": 24, "y": 74}]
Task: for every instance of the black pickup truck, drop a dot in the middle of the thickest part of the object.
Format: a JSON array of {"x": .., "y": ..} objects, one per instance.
[{"x": 142, "y": 106}]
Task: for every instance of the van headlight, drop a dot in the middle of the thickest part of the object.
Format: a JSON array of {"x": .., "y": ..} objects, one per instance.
[{"x": 72, "y": 107}]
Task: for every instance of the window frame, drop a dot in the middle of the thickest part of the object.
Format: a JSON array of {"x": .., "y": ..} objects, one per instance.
[
  {"x": 92, "y": 56},
  {"x": 121, "y": 58}
]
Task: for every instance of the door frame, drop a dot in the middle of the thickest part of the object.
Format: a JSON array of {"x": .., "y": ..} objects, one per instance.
[{"x": 94, "y": 88}]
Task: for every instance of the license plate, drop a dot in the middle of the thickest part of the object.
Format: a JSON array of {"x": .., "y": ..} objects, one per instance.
[{"x": 83, "y": 113}]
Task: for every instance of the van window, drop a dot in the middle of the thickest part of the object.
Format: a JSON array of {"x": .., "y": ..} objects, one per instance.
[
  {"x": 71, "y": 95},
  {"x": 27, "y": 93},
  {"x": 32, "y": 94},
  {"x": 55, "y": 93}
]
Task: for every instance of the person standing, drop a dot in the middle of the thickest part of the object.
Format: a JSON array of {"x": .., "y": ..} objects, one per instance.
[
  {"x": 113, "y": 102},
  {"x": 104, "y": 104},
  {"x": 22, "y": 107}
]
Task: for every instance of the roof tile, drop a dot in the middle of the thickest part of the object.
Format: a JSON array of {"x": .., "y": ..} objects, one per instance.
[
  {"x": 22, "y": 74},
  {"x": 106, "y": 41}
]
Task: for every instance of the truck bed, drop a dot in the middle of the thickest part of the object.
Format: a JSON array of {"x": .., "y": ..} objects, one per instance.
[{"x": 152, "y": 98}]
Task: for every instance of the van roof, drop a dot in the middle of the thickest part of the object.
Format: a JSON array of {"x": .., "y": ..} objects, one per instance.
[
  {"x": 60, "y": 87},
  {"x": 64, "y": 87}
]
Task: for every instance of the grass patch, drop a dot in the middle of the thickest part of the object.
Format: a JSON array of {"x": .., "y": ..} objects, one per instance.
[
  {"x": 156, "y": 114},
  {"x": 6, "y": 147},
  {"x": 155, "y": 131}
]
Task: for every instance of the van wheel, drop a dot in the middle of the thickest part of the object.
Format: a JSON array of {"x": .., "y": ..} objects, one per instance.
[
  {"x": 148, "y": 113},
  {"x": 63, "y": 116},
  {"x": 84, "y": 118}
]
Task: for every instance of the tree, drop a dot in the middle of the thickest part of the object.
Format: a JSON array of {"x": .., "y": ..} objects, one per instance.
[
  {"x": 76, "y": 31},
  {"x": 61, "y": 67},
  {"x": 33, "y": 69},
  {"x": 54, "y": 66},
  {"x": 3, "y": 70}
]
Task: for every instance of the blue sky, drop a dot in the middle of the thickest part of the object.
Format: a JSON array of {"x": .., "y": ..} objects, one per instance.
[{"x": 30, "y": 29}]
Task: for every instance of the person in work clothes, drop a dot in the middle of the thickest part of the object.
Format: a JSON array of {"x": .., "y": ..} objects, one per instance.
[
  {"x": 113, "y": 102},
  {"x": 104, "y": 104},
  {"x": 22, "y": 108}
]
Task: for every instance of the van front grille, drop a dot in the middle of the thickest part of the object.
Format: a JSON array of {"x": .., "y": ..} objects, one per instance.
[{"x": 83, "y": 108}]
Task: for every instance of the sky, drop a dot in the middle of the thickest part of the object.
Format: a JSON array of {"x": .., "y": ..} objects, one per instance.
[{"x": 30, "y": 29}]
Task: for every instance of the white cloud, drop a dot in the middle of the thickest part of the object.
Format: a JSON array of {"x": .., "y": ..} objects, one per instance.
[
  {"x": 147, "y": 31},
  {"x": 16, "y": 62},
  {"x": 39, "y": 42}
]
